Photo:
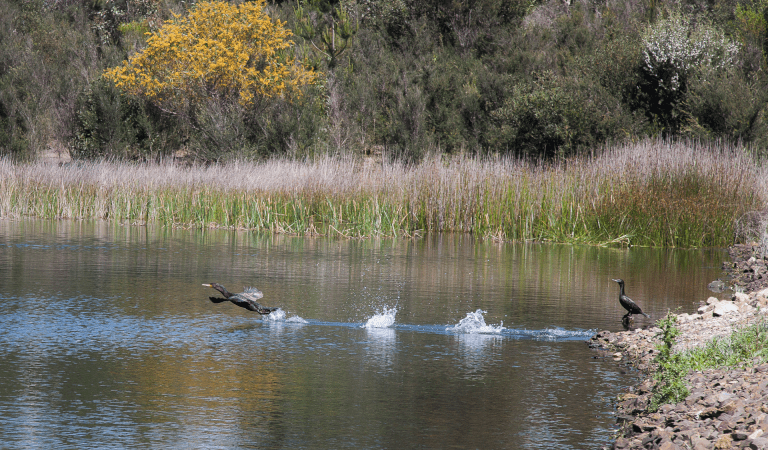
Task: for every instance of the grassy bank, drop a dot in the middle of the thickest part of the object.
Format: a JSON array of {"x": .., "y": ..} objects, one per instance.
[
  {"x": 650, "y": 193},
  {"x": 746, "y": 346}
]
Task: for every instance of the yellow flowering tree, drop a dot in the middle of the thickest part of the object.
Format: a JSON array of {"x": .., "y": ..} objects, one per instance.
[{"x": 218, "y": 51}]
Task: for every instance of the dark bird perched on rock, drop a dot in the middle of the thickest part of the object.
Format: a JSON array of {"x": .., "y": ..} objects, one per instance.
[
  {"x": 628, "y": 304},
  {"x": 246, "y": 299}
]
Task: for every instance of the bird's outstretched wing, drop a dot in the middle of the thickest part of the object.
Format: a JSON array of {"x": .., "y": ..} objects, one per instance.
[
  {"x": 251, "y": 293},
  {"x": 246, "y": 301}
]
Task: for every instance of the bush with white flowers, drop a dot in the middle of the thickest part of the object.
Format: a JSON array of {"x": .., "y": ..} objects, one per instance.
[{"x": 675, "y": 45}]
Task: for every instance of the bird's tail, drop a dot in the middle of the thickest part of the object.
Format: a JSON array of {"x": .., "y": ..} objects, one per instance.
[{"x": 646, "y": 315}]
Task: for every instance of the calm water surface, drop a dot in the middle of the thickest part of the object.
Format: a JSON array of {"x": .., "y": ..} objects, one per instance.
[{"x": 108, "y": 339}]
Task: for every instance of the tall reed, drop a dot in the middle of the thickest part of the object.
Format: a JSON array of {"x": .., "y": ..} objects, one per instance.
[{"x": 649, "y": 193}]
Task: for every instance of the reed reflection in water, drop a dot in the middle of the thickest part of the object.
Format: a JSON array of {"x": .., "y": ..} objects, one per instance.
[{"x": 108, "y": 339}]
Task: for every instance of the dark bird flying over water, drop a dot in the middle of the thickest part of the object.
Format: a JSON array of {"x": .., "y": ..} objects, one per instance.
[
  {"x": 246, "y": 299},
  {"x": 628, "y": 304}
]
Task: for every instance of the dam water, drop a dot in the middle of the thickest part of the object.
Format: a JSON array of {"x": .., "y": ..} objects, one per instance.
[{"x": 108, "y": 339}]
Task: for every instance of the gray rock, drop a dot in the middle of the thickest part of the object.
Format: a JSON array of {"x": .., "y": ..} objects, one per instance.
[
  {"x": 668, "y": 445},
  {"x": 710, "y": 413},
  {"x": 723, "y": 397},
  {"x": 717, "y": 286},
  {"x": 739, "y": 435},
  {"x": 701, "y": 444}
]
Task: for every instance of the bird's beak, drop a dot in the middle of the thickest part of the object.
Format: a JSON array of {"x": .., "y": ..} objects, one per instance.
[
  {"x": 207, "y": 285},
  {"x": 611, "y": 279}
]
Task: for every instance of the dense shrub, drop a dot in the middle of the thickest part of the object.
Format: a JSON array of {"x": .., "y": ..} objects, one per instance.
[
  {"x": 726, "y": 104},
  {"x": 557, "y": 116},
  {"x": 108, "y": 124},
  {"x": 46, "y": 58}
]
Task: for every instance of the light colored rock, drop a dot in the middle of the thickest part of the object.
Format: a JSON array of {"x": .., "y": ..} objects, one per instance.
[
  {"x": 704, "y": 309},
  {"x": 763, "y": 293},
  {"x": 712, "y": 300},
  {"x": 685, "y": 317},
  {"x": 756, "y": 434},
  {"x": 745, "y": 308},
  {"x": 740, "y": 297},
  {"x": 723, "y": 308}
]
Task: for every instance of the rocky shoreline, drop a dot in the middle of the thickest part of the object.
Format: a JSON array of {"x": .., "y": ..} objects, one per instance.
[{"x": 727, "y": 408}]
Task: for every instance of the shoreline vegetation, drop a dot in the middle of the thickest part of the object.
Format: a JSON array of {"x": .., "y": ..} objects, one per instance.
[{"x": 650, "y": 193}]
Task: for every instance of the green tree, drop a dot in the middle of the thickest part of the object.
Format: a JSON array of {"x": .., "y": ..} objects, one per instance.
[
  {"x": 675, "y": 49},
  {"x": 557, "y": 117},
  {"x": 326, "y": 27}
]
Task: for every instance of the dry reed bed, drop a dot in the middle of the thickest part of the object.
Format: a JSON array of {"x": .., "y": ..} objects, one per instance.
[{"x": 649, "y": 193}]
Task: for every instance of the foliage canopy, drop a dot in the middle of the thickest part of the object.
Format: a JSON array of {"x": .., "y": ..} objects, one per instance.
[
  {"x": 219, "y": 50},
  {"x": 533, "y": 78}
]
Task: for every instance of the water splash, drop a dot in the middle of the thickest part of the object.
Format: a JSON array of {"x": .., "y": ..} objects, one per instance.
[
  {"x": 475, "y": 323},
  {"x": 275, "y": 316},
  {"x": 382, "y": 319},
  {"x": 279, "y": 315},
  {"x": 296, "y": 319}
]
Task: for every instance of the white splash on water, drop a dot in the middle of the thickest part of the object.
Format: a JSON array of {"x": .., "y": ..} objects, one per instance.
[
  {"x": 382, "y": 319},
  {"x": 475, "y": 323},
  {"x": 279, "y": 315},
  {"x": 296, "y": 319},
  {"x": 275, "y": 316}
]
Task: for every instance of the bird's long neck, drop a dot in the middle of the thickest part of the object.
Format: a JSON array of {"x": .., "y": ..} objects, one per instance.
[
  {"x": 621, "y": 289},
  {"x": 225, "y": 292}
]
